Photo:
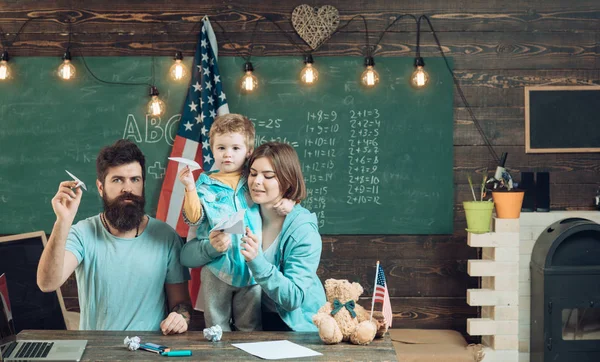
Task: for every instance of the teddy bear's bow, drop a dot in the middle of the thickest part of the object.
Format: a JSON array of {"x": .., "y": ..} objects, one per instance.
[{"x": 337, "y": 306}]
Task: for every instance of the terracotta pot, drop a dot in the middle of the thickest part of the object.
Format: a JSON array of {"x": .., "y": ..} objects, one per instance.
[{"x": 508, "y": 203}]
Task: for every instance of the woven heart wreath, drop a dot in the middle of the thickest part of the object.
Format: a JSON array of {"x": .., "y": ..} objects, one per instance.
[{"x": 315, "y": 25}]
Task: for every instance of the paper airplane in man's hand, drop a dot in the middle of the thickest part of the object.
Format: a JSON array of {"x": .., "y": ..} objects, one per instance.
[
  {"x": 232, "y": 224},
  {"x": 184, "y": 161},
  {"x": 79, "y": 182}
]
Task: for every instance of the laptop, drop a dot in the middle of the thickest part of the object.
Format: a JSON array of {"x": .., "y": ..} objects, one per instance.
[{"x": 15, "y": 350}]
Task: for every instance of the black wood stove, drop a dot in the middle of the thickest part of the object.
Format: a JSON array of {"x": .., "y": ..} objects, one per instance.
[{"x": 565, "y": 293}]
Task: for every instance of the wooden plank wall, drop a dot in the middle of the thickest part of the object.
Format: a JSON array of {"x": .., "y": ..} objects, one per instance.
[{"x": 498, "y": 47}]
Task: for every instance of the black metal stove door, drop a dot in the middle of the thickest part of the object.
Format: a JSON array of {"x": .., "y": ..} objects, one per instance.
[{"x": 573, "y": 331}]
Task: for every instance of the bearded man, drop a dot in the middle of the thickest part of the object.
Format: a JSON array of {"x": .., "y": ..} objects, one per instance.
[{"x": 126, "y": 262}]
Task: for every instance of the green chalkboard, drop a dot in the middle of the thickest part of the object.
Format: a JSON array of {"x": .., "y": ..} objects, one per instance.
[
  {"x": 562, "y": 119},
  {"x": 376, "y": 161}
]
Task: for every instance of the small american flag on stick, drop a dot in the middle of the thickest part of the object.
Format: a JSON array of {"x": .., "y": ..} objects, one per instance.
[{"x": 381, "y": 295}]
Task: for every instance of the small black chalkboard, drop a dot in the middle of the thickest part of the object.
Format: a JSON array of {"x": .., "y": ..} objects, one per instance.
[
  {"x": 560, "y": 119},
  {"x": 31, "y": 308}
]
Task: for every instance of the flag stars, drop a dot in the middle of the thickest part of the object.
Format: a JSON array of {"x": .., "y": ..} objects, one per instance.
[
  {"x": 212, "y": 61},
  {"x": 197, "y": 87},
  {"x": 188, "y": 126},
  {"x": 208, "y": 85},
  {"x": 204, "y": 58},
  {"x": 205, "y": 144},
  {"x": 213, "y": 114},
  {"x": 204, "y": 130},
  {"x": 222, "y": 96},
  {"x": 207, "y": 72},
  {"x": 203, "y": 43},
  {"x": 217, "y": 78},
  {"x": 198, "y": 119},
  {"x": 193, "y": 106},
  {"x": 211, "y": 100},
  {"x": 207, "y": 159},
  {"x": 199, "y": 67}
]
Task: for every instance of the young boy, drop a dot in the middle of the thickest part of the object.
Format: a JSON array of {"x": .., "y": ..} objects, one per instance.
[{"x": 227, "y": 287}]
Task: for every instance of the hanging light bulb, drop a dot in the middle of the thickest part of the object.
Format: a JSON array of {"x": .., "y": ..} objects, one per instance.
[
  {"x": 178, "y": 70},
  {"x": 369, "y": 77},
  {"x": 419, "y": 78},
  {"x": 309, "y": 74},
  {"x": 156, "y": 107},
  {"x": 4, "y": 68},
  {"x": 66, "y": 70},
  {"x": 249, "y": 81}
]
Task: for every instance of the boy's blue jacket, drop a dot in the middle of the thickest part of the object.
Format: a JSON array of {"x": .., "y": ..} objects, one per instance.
[
  {"x": 218, "y": 201},
  {"x": 293, "y": 282}
]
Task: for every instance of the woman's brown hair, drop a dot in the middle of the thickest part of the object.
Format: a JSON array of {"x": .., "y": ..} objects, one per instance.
[{"x": 287, "y": 168}]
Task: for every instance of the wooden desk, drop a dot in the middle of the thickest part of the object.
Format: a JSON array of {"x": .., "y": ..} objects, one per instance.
[{"x": 108, "y": 346}]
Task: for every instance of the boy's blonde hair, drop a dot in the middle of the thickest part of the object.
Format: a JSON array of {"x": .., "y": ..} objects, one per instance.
[{"x": 233, "y": 123}]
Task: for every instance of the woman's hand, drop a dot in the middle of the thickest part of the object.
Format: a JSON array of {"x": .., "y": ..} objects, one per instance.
[{"x": 250, "y": 245}]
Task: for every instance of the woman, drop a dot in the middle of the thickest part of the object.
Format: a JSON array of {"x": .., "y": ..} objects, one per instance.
[{"x": 285, "y": 263}]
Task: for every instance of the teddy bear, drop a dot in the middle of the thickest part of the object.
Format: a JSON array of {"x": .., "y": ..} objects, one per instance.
[{"x": 342, "y": 319}]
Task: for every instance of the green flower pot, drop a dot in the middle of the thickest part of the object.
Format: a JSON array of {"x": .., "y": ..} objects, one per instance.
[{"x": 479, "y": 216}]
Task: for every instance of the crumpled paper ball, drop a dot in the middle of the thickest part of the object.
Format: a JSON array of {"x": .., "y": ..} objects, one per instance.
[
  {"x": 213, "y": 333},
  {"x": 132, "y": 343}
]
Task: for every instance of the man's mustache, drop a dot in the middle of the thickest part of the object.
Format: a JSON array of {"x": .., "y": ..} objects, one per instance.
[{"x": 130, "y": 196}]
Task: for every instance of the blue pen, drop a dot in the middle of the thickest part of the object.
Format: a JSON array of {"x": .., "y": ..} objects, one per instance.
[{"x": 182, "y": 353}]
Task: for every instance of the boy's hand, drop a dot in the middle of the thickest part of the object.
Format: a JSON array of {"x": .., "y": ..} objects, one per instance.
[
  {"x": 284, "y": 206},
  {"x": 219, "y": 240},
  {"x": 187, "y": 179}
]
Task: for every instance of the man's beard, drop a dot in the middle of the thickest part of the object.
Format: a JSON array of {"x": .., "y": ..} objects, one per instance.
[{"x": 122, "y": 215}]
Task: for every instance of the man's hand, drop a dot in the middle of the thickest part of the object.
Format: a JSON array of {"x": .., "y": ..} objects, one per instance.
[
  {"x": 174, "y": 323},
  {"x": 219, "y": 240},
  {"x": 66, "y": 201}
]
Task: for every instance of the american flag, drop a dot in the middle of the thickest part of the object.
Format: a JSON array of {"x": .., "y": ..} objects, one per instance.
[
  {"x": 205, "y": 100},
  {"x": 381, "y": 295}
]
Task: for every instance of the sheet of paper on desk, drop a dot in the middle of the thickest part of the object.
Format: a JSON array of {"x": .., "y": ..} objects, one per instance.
[
  {"x": 276, "y": 349},
  {"x": 232, "y": 224}
]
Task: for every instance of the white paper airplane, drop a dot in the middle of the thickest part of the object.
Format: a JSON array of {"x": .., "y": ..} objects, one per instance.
[
  {"x": 191, "y": 163},
  {"x": 232, "y": 224},
  {"x": 79, "y": 182}
]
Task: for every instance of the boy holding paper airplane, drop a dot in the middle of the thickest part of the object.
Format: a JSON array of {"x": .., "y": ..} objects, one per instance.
[{"x": 227, "y": 288}]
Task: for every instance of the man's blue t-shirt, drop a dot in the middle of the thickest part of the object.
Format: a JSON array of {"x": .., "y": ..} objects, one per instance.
[{"x": 121, "y": 282}]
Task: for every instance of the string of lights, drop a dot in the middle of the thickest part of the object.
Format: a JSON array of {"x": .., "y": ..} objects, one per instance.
[{"x": 308, "y": 75}]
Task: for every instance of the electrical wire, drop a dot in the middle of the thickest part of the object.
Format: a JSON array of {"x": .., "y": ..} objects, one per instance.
[
  {"x": 458, "y": 88},
  {"x": 105, "y": 81},
  {"x": 389, "y": 26},
  {"x": 368, "y": 52}
]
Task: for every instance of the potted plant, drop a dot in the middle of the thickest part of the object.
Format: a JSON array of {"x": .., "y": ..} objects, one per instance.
[
  {"x": 478, "y": 212},
  {"x": 507, "y": 199}
]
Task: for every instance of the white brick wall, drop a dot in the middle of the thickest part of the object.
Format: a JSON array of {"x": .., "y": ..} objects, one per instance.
[
  {"x": 499, "y": 293},
  {"x": 532, "y": 224}
]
